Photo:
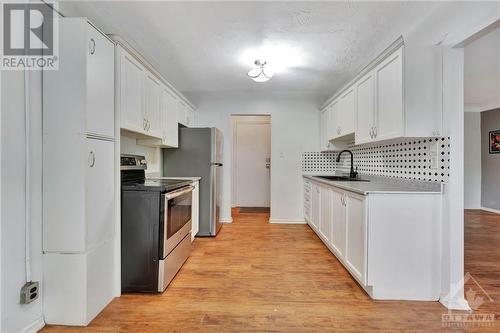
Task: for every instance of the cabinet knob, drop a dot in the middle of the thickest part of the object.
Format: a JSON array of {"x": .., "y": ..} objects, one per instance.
[{"x": 92, "y": 46}]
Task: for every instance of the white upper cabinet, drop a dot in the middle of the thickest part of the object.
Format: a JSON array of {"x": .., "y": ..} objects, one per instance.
[
  {"x": 78, "y": 141},
  {"x": 389, "y": 98},
  {"x": 131, "y": 75},
  {"x": 100, "y": 83},
  {"x": 84, "y": 83},
  {"x": 365, "y": 101},
  {"x": 148, "y": 106},
  {"x": 398, "y": 95},
  {"x": 324, "y": 121},
  {"x": 170, "y": 124},
  {"x": 346, "y": 113},
  {"x": 185, "y": 114},
  {"x": 152, "y": 90}
]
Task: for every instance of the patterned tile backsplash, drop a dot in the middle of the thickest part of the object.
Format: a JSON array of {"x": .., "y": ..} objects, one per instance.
[{"x": 406, "y": 158}]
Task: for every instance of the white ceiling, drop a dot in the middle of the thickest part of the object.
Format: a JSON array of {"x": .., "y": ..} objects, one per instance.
[
  {"x": 482, "y": 72},
  {"x": 208, "y": 46}
]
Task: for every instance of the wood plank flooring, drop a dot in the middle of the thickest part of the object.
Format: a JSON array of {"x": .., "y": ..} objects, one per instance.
[{"x": 261, "y": 277}]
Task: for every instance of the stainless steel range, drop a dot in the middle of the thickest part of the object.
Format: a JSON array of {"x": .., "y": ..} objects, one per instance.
[{"x": 155, "y": 228}]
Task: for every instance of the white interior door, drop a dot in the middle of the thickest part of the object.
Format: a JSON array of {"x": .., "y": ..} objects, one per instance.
[{"x": 252, "y": 150}]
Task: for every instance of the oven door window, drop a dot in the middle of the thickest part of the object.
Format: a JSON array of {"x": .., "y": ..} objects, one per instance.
[{"x": 179, "y": 213}]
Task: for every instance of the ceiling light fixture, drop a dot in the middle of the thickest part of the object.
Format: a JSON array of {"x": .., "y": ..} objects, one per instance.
[{"x": 260, "y": 73}]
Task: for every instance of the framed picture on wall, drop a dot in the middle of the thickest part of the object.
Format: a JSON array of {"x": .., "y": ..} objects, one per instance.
[{"x": 495, "y": 142}]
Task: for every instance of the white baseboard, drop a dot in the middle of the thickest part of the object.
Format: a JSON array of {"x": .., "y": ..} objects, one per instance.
[
  {"x": 226, "y": 220},
  {"x": 287, "y": 221},
  {"x": 491, "y": 210},
  {"x": 35, "y": 326},
  {"x": 455, "y": 304}
]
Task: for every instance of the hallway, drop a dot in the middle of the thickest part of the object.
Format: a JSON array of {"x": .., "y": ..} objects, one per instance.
[{"x": 260, "y": 277}]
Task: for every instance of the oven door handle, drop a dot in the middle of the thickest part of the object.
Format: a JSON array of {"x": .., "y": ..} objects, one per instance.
[{"x": 176, "y": 193}]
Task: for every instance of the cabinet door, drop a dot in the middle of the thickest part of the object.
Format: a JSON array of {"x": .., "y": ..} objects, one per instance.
[
  {"x": 131, "y": 94},
  {"x": 152, "y": 105},
  {"x": 389, "y": 97},
  {"x": 325, "y": 222},
  {"x": 356, "y": 240},
  {"x": 100, "y": 112},
  {"x": 307, "y": 201},
  {"x": 182, "y": 113},
  {"x": 333, "y": 121},
  {"x": 323, "y": 129},
  {"x": 337, "y": 238},
  {"x": 100, "y": 198},
  {"x": 365, "y": 96},
  {"x": 347, "y": 112},
  {"x": 316, "y": 206},
  {"x": 171, "y": 123}
]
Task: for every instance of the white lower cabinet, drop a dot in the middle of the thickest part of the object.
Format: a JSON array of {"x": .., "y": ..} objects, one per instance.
[
  {"x": 387, "y": 241},
  {"x": 315, "y": 206},
  {"x": 355, "y": 235},
  {"x": 77, "y": 286},
  {"x": 325, "y": 221},
  {"x": 337, "y": 239},
  {"x": 307, "y": 201}
]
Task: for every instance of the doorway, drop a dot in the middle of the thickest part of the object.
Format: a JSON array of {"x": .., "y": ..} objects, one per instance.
[
  {"x": 251, "y": 161},
  {"x": 481, "y": 165}
]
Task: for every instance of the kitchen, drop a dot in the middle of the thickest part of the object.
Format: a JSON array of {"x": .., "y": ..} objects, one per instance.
[{"x": 135, "y": 131}]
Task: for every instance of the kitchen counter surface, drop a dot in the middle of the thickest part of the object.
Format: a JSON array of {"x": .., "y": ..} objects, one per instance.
[
  {"x": 194, "y": 179},
  {"x": 383, "y": 185}
]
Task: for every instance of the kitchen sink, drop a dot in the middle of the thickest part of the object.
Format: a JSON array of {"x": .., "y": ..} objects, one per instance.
[{"x": 343, "y": 179}]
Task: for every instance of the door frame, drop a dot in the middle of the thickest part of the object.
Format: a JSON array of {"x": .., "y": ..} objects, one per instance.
[{"x": 246, "y": 118}]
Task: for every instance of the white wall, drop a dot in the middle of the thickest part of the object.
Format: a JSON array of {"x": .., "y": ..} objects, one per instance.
[
  {"x": 16, "y": 317},
  {"x": 294, "y": 129},
  {"x": 472, "y": 160},
  {"x": 128, "y": 145},
  {"x": 448, "y": 25},
  {"x": 482, "y": 72}
]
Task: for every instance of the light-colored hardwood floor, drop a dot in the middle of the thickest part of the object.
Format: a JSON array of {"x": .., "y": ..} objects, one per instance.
[{"x": 257, "y": 277}]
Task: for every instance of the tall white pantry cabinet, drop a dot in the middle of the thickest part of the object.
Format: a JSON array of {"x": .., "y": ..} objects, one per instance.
[{"x": 78, "y": 176}]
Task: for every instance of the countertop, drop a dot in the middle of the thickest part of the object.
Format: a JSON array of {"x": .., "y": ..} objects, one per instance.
[
  {"x": 379, "y": 184},
  {"x": 194, "y": 179}
]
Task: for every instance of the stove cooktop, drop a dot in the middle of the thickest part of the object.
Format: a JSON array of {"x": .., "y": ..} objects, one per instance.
[{"x": 162, "y": 185}]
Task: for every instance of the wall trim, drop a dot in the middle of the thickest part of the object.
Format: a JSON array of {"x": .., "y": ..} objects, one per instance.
[
  {"x": 34, "y": 327},
  {"x": 287, "y": 221},
  {"x": 455, "y": 304},
  {"x": 226, "y": 220},
  {"x": 491, "y": 210}
]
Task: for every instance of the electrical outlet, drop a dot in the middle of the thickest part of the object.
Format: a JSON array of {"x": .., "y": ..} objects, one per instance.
[
  {"x": 29, "y": 292},
  {"x": 434, "y": 153}
]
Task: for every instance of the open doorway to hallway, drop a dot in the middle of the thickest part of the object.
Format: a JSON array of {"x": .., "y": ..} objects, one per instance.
[
  {"x": 482, "y": 170},
  {"x": 251, "y": 162}
]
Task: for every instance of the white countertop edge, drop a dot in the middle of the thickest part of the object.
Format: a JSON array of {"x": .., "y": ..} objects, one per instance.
[{"x": 345, "y": 186}]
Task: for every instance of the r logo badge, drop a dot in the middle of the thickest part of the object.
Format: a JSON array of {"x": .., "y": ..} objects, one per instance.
[{"x": 28, "y": 29}]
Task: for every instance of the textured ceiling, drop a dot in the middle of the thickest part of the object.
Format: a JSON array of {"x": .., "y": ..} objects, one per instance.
[{"x": 209, "y": 46}]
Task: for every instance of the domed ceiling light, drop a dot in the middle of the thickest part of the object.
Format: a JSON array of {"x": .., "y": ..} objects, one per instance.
[{"x": 260, "y": 73}]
